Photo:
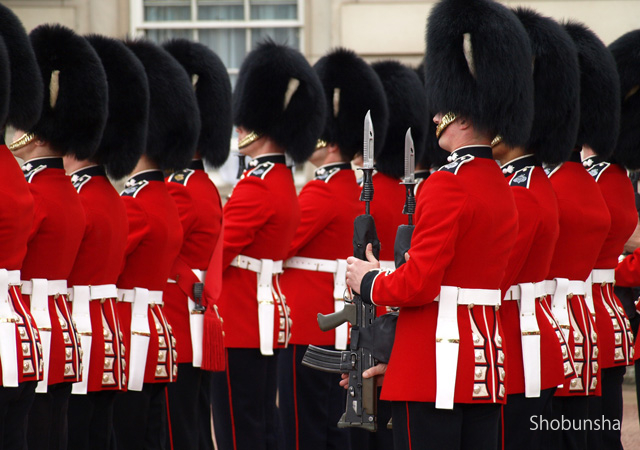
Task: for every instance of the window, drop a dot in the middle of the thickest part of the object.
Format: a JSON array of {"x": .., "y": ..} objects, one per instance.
[{"x": 231, "y": 28}]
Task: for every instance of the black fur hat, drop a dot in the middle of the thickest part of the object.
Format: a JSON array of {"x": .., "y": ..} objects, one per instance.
[
  {"x": 599, "y": 92},
  {"x": 556, "y": 80},
  {"x": 478, "y": 65},
  {"x": 125, "y": 136},
  {"x": 351, "y": 88},
  {"x": 25, "y": 98},
  {"x": 213, "y": 92},
  {"x": 74, "y": 110},
  {"x": 626, "y": 52},
  {"x": 5, "y": 81},
  {"x": 278, "y": 94},
  {"x": 407, "y": 102},
  {"x": 174, "y": 119}
]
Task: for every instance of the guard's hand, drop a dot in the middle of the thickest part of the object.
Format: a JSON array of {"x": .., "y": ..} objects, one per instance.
[
  {"x": 357, "y": 268},
  {"x": 376, "y": 371}
]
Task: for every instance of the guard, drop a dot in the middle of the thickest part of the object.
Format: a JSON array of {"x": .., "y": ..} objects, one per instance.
[
  {"x": 154, "y": 241},
  {"x": 92, "y": 282},
  {"x": 279, "y": 110},
  {"x": 447, "y": 391},
  {"x": 200, "y": 210},
  {"x": 538, "y": 355},
  {"x": 21, "y": 364},
  {"x": 73, "y": 117}
]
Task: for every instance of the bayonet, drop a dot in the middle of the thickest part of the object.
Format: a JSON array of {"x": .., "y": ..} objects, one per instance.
[
  {"x": 404, "y": 233},
  {"x": 367, "y": 162}
]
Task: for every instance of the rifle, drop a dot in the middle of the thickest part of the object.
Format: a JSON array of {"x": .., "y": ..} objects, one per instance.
[
  {"x": 404, "y": 233},
  {"x": 361, "y": 393}
]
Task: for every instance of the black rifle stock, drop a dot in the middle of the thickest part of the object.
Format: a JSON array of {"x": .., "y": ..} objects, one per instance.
[{"x": 361, "y": 392}]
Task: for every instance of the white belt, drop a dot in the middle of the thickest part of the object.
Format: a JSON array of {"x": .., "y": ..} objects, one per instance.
[
  {"x": 266, "y": 269},
  {"x": 448, "y": 335},
  {"x": 563, "y": 289},
  {"x": 129, "y": 296},
  {"x": 388, "y": 265},
  {"x": 40, "y": 289},
  {"x": 201, "y": 274},
  {"x": 8, "y": 317},
  {"x": 140, "y": 333},
  {"x": 338, "y": 267},
  {"x": 599, "y": 276},
  {"x": 526, "y": 294},
  {"x": 81, "y": 296}
]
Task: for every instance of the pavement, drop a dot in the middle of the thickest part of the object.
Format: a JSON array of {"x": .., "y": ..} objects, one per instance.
[{"x": 630, "y": 424}]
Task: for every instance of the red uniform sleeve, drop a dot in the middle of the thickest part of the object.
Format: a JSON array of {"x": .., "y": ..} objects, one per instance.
[
  {"x": 39, "y": 214},
  {"x": 628, "y": 270},
  {"x": 138, "y": 224},
  {"x": 315, "y": 204},
  {"x": 184, "y": 203},
  {"x": 244, "y": 214},
  {"x": 417, "y": 282}
]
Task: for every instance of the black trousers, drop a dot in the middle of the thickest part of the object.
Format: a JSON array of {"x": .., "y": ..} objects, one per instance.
[
  {"x": 518, "y": 432},
  {"x": 91, "y": 420},
  {"x": 48, "y": 427},
  {"x": 140, "y": 418},
  {"x": 382, "y": 439},
  {"x": 607, "y": 409},
  {"x": 420, "y": 426},
  {"x": 247, "y": 418},
  {"x": 183, "y": 404},
  {"x": 311, "y": 403},
  {"x": 574, "y": 410},
  {"x": 14, "y": 410},
  {"x": 205, "y": 436}
]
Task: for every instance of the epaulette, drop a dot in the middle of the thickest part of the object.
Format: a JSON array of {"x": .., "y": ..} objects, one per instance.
[
  {"x": 597, "y": 169},
  {"x": 181, "y": 177},
  {"x": 455, "y": 165},
  {"x": 522, "y": 177},
  {"x": 551, "y": 169},
  {"x": 261, "y": 170},
  {"x": 134, "y": 189},
  {"x": 79, "y": 181},
  {"x": 31, "y": 171},
  {"x": 325, "y": 175}
]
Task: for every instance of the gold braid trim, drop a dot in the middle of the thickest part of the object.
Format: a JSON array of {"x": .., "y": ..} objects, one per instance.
[
  {"x": 447, "y": 120},
  {"x": 21, "y": 141},
  {"x": 249, "y": 139}
]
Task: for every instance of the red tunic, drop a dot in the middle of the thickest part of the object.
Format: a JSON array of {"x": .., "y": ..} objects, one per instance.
[
  {"x": 98, "y": 262},
  {"x": 538, "y": 231},
  {"x": 386, "y": 209},
  {"x": 16, "y": 217},
  {"x": 55, "y": 238},
  {"x": 615, "y": 343},
  {"x": 584, "y": 225},
  {"x": 200, "y": 211},
  {"x": 154, "y": 241},
  {"x": 466, "y": 223},
  {"x": 328, "y": 205},
  {"x": 628, "y": 275},
  {"x": 260, "y": 220}
]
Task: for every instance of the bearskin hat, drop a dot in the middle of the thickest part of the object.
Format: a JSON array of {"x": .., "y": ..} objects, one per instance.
[
  {"x": 599, "y": 92},
  {"x": 556, "y": 80},
  {"x": 74, "y": 111},
  {"x": 278, "y": 94},
  {"x": 478, "y": 65},
  {"x": 407, "y": 102},
  {"x": 626, "y": 52},
  {"x": 351, "y": 88},
  {"x": 174, "y": 119},
  {"x": 125, "y": 136},
  {"x": 25, "y": 98},
  {"x": 213, "y": 92},
  {"x": 5, "y": 81}
]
